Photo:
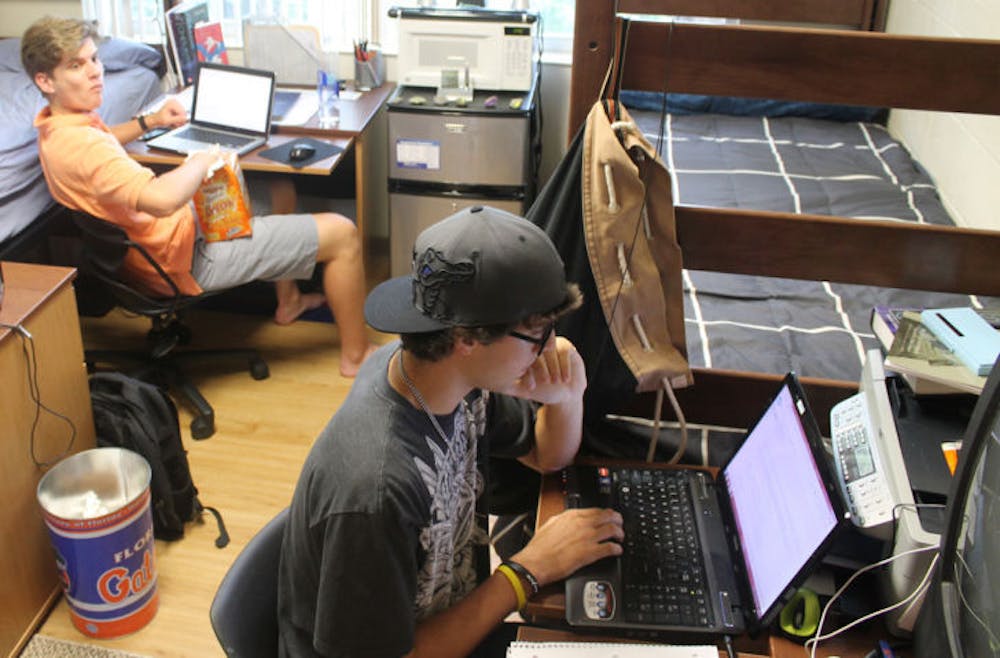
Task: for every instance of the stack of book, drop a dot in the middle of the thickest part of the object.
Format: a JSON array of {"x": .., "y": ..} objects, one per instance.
[
  {"x": 926, "y": 363},
  {"x": 181, "y": 21}
]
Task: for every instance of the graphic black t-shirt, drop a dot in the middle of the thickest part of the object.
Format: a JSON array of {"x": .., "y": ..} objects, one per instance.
[{"x": 387, "y": 524}]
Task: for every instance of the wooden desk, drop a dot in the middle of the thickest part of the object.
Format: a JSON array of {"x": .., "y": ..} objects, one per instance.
[
  {"x": 252, "y": 161},
  {"x": 356, "y": 119},
  {"x": 550, "y": 605},
  {"x": 39, "y": 298},
  {"x": 352, "y": 130}
]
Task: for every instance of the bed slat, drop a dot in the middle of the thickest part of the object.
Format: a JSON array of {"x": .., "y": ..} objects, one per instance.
[
  {"x": 858, "y": 14},
  {"x": 744, "y": 393},
  {"x": 805, "y": 64},
  {"x": 813, "y": 247},
  {"x": 824, "y": 66}
]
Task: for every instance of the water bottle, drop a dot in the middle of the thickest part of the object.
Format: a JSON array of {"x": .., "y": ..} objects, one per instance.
[{"x": 328, "y": 93}]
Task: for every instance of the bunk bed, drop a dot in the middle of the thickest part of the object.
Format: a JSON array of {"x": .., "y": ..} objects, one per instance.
[{"x": 842, "y": 59}]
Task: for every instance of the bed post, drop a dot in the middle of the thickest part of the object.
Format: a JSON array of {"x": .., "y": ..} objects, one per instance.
[
  {"x": 592, "y": 47},
  {"x": 879, "y": 13}
]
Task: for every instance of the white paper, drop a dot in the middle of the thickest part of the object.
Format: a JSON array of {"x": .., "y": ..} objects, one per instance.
[
  {"x": 607, "y": 650},
  {"x": 418, "y": 154},
  {"x": 301, "y": 110}
]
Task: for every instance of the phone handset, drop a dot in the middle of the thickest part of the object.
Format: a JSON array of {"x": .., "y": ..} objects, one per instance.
[{"x": 862, "y": 476}]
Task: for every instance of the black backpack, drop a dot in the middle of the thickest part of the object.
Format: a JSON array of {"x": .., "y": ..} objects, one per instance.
[{"x": 133, "y": 414}]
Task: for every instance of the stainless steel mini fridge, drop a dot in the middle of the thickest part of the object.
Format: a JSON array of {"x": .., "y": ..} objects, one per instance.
[{"x": 445, "y": 156}]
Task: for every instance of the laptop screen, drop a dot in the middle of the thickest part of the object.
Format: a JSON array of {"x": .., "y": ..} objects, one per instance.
[
  {"x": 234, "y": 97},
  {"x": 780, "y": 505}
]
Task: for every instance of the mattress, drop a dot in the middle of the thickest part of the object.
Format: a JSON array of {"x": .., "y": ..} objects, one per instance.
[{"x": 798, "y": 165}]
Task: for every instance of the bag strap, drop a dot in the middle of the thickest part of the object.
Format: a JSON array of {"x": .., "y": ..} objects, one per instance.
[
  {"x": 612, "y": 86},
  {"x": 223, "y": 539}
]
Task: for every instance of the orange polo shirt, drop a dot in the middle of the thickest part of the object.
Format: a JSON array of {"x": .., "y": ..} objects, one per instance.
[{"x": 87, "y": 169}]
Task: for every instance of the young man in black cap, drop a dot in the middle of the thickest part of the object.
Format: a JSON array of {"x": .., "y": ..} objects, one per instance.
[{"x": 386, "y": 551}]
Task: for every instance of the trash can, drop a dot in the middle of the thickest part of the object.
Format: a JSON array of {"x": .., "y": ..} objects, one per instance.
[{"x": 96, "y": 505}]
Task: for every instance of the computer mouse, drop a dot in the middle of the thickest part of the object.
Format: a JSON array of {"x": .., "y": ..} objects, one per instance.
[{"x": 301, "y": 151}]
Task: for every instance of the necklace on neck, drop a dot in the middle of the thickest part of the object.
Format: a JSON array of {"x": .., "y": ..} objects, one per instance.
[{"x": 419, "y": 398}]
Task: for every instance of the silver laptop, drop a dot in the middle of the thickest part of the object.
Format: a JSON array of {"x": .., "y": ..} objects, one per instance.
[
  {"x": 711, "y": 556},
  {"x": 231, "y": 107}
]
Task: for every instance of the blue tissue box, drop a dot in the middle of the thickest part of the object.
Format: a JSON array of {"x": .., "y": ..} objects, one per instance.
[{"x": 967, "y": 334}]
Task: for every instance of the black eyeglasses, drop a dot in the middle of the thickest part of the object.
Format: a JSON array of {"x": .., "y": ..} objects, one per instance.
[{"x": 540, "y": 341}]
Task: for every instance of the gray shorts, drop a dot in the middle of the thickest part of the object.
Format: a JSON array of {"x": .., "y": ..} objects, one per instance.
[{"x": 281, "y": 247}]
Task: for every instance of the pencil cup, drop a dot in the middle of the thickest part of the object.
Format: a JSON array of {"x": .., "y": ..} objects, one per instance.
[{"x": 370, "y": 73}]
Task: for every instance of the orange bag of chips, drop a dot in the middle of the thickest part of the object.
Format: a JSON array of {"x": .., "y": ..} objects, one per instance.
[{"x": 222, "y": 204}]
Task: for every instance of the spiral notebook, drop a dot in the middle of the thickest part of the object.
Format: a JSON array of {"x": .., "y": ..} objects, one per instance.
[{"x": 607, "y": 650}]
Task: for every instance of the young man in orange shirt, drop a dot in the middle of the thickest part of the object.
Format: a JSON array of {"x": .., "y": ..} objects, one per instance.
[{"x": 88, "y": 169}]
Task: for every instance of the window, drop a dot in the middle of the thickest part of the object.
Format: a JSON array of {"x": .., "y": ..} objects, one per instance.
[
  {"x": 136, "y": 19},
  {"x": 340, "y": 22},
  {"x": 143, "y": 20}
]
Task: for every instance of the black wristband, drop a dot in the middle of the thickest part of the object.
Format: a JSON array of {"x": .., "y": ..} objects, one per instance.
[
  {"x": 524, "y": 573},
  {"x": 142, "y": 122}
]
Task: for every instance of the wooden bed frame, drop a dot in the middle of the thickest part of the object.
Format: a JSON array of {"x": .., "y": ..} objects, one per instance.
[{"x": 856, "y": 65}]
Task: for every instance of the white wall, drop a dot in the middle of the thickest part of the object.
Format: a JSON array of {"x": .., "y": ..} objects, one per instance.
[
  {"x": 961, "y": 151},
  {"x": 17, "y": 15}
]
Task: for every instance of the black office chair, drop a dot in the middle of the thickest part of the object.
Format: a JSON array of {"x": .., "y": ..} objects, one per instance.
[
  {"x": 101, "y": 253},
  {"x": 244, "y": 612}
]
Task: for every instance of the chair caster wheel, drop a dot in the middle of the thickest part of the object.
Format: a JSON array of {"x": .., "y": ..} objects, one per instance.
[
  {"x": 259, "y": 369},
  {"x": 202, "y": 427}
]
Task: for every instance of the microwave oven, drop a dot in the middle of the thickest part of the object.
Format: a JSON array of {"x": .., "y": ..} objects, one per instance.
[{"x": 488, "y": 49}]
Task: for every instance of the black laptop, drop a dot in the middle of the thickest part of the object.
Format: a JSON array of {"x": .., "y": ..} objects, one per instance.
[
  {"x": 231, "y": 108},
  {"x": 711, "y": 556}
]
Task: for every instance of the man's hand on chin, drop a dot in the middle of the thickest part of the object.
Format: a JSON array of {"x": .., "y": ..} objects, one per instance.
[{"x": 557, "y": 376}]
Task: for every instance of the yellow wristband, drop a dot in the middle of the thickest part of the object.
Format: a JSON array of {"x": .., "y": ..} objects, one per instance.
[{"x": 515, "y": 582}]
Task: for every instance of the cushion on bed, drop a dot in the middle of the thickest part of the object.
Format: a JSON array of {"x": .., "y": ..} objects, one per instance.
[
  {"x": 116, "y": 54},
  {"x": 122, "y": 54},
  {"x": 755, "y": 107},
  {"x": 10, "y": 55}
]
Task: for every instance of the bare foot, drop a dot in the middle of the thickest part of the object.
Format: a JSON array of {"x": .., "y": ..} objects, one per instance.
[
  {"x": 349, "y": 367},
  {"x": 290, "y": 312}
]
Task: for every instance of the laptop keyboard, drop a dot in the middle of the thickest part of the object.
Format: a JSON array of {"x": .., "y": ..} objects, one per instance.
[
  {"x": 196, "y": 134},
  {"x": 662, "y": 569}
]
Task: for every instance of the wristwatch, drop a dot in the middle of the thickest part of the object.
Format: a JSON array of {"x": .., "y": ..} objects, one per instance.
[{"x": 141, "y": 118}]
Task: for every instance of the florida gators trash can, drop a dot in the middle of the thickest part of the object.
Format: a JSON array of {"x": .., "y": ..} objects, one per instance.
[{"x": 96, "y": 505}]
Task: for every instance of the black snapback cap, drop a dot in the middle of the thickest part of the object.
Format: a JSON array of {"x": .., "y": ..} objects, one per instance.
[{"x": 481, "y": 266}]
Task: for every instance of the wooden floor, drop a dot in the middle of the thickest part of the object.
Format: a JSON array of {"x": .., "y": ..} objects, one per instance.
[{"x": 247, "y": 470}]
